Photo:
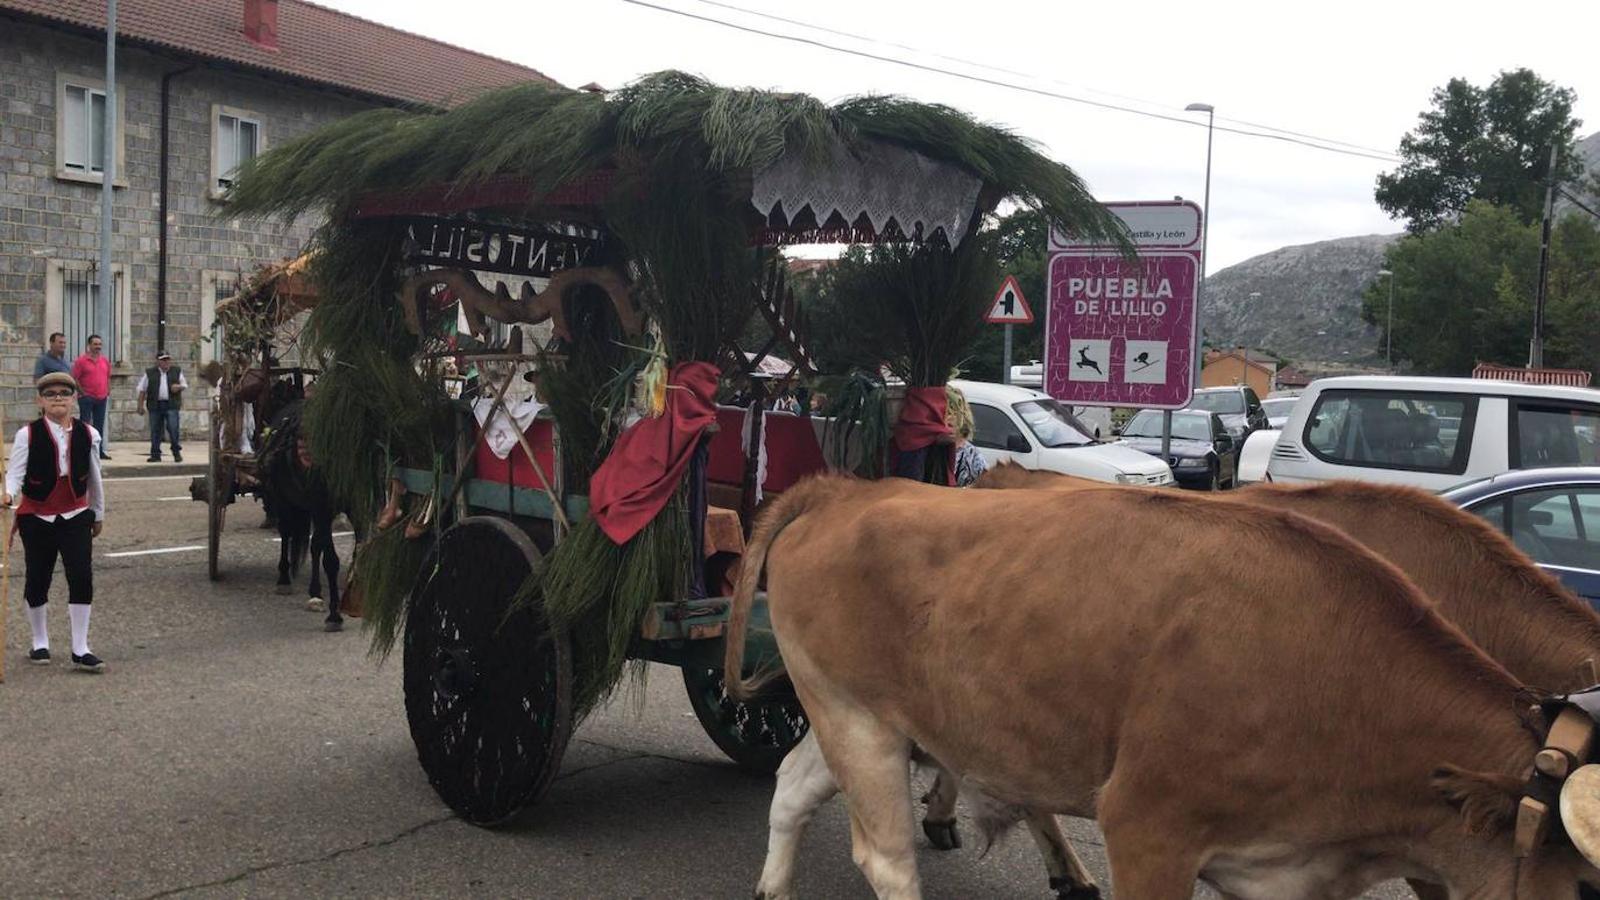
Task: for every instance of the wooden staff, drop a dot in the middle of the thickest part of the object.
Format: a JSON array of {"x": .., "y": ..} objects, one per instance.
[{"x": 5, "y": 556}]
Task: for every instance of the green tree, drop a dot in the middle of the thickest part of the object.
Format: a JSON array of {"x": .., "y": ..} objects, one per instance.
[
  {"x": 1490, "y": 143},
  {"x": 1464, "y": 293},
  {"x": 1023, "y": 238}
]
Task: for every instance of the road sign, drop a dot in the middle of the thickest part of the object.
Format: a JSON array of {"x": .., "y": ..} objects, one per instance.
[
  {"x": 1009, "y": 307},
  {"x": 1152, "y": 225},
  {"x": 1120, "y": 332}
]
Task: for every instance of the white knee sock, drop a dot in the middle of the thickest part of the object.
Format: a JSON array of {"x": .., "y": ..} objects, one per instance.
[
  {"x": 41, "y": 626},
  {"x": 79, "y": 614}
]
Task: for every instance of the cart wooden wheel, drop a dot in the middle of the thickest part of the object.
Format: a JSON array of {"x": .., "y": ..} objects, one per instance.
[
  {"x": 488, "y": 690},
  {"x": 756, "y": 734},
  {"x": 219, "y": 493}
]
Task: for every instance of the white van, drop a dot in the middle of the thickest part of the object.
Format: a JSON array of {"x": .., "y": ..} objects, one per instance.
[
  {"x": 1036, "y": 432},
  {"x": 1433, "y": 432},
  {"x": 1097, "y": 418}
]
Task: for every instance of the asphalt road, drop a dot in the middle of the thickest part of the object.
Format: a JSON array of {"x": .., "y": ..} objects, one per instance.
[{"x": 234, "y": 749}]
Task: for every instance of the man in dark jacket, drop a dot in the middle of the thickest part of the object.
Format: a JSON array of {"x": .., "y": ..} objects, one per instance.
[{"x": 161, "y": 390}]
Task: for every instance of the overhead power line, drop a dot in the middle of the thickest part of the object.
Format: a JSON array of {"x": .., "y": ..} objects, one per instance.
[
  {"x": 995, "y": 82},
  {"x": 1576, "y": 202},
  {"x": 993, "y": 68}
]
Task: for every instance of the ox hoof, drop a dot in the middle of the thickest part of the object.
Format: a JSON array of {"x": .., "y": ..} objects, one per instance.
[
  {"x": 333, "y": 626},
  {"x": 316, "y": 604},
  {"x": 284, "y": 589},
  {"x": 943, "y": 835},
  {"x": 1066, "y": 890}
]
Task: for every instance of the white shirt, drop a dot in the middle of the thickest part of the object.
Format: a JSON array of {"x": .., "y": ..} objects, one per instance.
[
  {"x": 161, "y": 392},
  {"x": 94, "y": 500}
]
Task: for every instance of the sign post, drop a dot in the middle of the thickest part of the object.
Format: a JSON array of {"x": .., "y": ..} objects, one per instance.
[
  {"x": 1009, "y": 308},
  {"x": 1119, "y": 331}
]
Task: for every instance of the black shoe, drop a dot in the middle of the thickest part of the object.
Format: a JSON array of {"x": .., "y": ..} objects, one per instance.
[
  {"x": 153, "y": 459},
  {"x": 40, "y": 657},
  {"x": 105, "y": 456},
  {"x": 176, "y": 456},
  {"x": 88, "y": 663}
]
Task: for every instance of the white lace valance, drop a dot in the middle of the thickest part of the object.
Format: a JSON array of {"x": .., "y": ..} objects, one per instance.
[{"x": 880, "y": 180}]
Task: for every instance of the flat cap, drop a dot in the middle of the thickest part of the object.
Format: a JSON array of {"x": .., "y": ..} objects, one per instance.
[{"x": 56, "y": 379}]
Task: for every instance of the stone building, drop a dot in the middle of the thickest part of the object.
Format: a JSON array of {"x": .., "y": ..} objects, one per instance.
[{"x": 201, "y": 86}]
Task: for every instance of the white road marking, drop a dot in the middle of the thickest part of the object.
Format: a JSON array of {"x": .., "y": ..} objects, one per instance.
[
  {"x": 169, "y": 499},
  {"x": 151, "y": 552},
  {"x": 145, "y": 477},
  {"x": 279, "y": 540}
]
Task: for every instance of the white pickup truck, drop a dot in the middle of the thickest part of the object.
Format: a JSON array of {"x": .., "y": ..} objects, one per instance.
[{"x": 1430, "y": 432}]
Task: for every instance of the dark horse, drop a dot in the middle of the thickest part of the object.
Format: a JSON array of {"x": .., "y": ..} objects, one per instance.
[{"x": 296, "y": 493}]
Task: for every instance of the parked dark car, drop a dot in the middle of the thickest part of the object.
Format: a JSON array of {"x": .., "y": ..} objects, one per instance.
[
  {"x": 1202, "y": 455},
  {"x": 1553, "y": 515},
  {"x": 1238, "y": 405}
]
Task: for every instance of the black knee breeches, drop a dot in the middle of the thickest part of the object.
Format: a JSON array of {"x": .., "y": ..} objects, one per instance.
[{"x": 43, "y": 541}]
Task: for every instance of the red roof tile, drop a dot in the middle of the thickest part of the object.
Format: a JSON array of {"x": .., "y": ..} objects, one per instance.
[{"x": 314, "y": 43}]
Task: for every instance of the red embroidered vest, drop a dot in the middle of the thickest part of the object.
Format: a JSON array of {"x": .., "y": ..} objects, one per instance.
[{"x": 64, "y": 494}]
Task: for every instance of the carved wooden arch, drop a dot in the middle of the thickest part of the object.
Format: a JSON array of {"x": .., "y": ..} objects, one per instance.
[{"x": 531, "y": 307}]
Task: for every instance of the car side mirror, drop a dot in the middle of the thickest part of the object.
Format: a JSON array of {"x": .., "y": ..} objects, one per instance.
[{"x": 1016, "y": 443}]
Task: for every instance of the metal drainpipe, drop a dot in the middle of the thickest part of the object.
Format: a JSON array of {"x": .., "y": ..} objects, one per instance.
[{"x": 161, "y": 262}]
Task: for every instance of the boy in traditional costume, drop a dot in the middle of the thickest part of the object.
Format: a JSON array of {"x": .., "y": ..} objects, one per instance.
[{"x": 54, "y": 475}]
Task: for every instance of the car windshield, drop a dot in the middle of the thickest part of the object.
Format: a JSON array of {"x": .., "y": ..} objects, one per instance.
[
  {"x": 1188, "y": 428},
  {"x": 1051, "y": 424},
  {"x": 1278, "y": 408},
  {"x": 1225, "y": 402}
]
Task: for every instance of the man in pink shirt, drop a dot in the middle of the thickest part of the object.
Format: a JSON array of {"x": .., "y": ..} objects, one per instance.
[{"x": 92, "y": 371}]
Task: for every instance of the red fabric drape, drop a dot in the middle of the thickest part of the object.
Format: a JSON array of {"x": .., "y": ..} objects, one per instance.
[
  {"x": 644, "y": 467},
  {"x": 921, "y": 425}
]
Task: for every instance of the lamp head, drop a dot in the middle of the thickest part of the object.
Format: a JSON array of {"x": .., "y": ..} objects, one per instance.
[{"x": 1200, "y": 107}]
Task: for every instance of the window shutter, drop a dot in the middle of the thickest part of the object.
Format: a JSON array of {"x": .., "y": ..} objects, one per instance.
[{"x": 74, "y": 124}]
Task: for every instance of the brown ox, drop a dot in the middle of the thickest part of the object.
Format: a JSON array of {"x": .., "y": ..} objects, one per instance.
[{"x": 1225, "y": 708}]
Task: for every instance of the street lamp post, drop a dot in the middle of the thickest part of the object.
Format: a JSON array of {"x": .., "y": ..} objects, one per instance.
[
  {"x": 1388, "y": 328},
  {"x": 1254, "y": 295},
  {"x": 1205, "y": 231}
]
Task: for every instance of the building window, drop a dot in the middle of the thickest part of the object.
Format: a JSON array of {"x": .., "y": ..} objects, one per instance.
[
  {"x": 81, "y": 130},
  {"x": 71, "y": 293},
  {"x": 215, "y": 287},
  {"x": 84, "y": 129},
  {"x": 236, "y": 139}
]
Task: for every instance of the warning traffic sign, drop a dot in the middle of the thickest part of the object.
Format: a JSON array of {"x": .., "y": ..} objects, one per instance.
[{"x": 1010, "y": 307}]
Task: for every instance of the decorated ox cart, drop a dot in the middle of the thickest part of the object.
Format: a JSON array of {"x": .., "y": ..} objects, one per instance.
[
  {"x": 256, "y": 331},
  {"x": 541, "y": 382}
]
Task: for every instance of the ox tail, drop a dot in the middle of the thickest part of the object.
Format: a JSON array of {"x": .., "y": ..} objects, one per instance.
[{"x": 784, "y": 510}]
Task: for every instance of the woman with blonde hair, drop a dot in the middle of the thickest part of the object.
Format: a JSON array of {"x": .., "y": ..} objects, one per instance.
[{"x": 958, "y": 415}]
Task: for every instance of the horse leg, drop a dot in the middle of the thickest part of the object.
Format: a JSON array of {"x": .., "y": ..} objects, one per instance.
[
  {"x": 328, "y": 555},
  {"x": 285, "y": 555}
]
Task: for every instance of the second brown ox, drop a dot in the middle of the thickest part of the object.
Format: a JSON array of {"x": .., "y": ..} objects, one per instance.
[{"x": 1280, "y": 736}]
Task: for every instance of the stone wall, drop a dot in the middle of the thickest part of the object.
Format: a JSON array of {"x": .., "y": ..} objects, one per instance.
[{"x": 45, "y": 218}]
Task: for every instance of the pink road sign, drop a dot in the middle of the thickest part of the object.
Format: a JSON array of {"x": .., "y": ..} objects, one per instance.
[{"x": 1120, "y": 332}]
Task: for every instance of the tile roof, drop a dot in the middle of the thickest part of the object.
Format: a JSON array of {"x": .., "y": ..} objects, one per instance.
[{"x": 314, "y": 43}]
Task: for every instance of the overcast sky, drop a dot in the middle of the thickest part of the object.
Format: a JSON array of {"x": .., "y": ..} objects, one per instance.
[{"x": 1350, "y": 72}]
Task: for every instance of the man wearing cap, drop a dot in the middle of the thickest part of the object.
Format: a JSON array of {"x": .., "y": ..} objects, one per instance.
[
  {"x": 54, "y": 473},
  {"x": 161, "y": 393}
]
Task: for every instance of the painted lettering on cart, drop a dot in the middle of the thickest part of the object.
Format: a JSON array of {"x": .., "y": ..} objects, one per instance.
[{"x": 496, "y": 248}]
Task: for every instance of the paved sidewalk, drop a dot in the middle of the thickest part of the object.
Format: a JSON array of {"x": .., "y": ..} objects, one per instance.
[{"x": 128, "y": 460}]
